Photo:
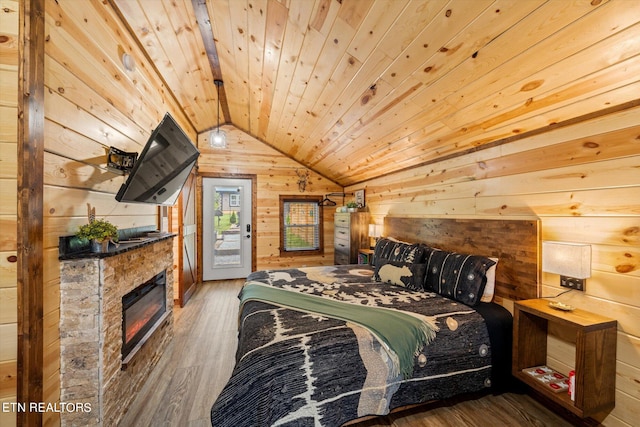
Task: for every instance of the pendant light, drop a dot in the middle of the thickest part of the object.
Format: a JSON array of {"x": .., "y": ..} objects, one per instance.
[{"x": 217, "y": 138}]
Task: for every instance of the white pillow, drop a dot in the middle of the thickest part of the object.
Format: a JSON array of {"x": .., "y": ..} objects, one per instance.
[
  {"x": 393, "y": 239},
  {"x": 489, "y": 289}
]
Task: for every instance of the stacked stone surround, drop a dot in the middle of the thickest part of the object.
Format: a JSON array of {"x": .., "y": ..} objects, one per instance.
[{"x": 91, "y": 291}]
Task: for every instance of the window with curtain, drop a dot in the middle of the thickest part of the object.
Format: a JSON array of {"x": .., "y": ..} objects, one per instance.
[{"x": 301, "y": 229}]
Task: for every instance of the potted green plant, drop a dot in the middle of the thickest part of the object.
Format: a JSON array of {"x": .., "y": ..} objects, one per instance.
[
  {"x": 352, "y": 207},
  {"x": 99, "y": 232}
]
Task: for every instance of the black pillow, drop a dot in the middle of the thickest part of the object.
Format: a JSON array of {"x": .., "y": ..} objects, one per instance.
[
  {"x": 405, "y": 274},
  {"x": 457, "y": 276},
  {"x": 382, "y": 250},
  {"x": 393, "y": 250}
]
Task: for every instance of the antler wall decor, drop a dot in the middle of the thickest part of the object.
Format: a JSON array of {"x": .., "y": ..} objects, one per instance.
[{"x": 303, "y": 177}]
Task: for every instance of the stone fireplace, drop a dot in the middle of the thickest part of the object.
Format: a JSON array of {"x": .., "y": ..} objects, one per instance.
[{"x": 116, "y": 320}]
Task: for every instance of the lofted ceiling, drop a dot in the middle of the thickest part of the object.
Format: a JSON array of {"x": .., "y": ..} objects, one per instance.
[{"x": 355, "y": 89}]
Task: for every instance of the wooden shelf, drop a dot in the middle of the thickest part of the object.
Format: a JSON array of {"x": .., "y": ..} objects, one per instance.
[
  {"x": 365, "y": 256},
  {"x": 595, "y": 362}
]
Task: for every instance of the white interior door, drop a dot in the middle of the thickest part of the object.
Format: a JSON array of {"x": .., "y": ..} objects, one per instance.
[{"x": 226, "y": 228}]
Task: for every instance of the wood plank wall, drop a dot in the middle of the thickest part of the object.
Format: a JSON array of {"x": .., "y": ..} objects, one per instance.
[
  {"x": 275, "y": 176},
  {"x": 9, "y": 18},
  {"x": 583, "y": 183},
  {"x": 91, "y": 103}
]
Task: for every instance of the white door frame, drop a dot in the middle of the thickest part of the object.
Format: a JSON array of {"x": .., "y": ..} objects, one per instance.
[{"x": 211, "y": 270}]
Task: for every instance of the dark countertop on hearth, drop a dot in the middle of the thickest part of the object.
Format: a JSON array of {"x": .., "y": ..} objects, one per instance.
[{"x": 71, "y": 248}]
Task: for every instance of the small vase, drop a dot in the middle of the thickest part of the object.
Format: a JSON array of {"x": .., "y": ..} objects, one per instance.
[{"x": 100, "y": 247}]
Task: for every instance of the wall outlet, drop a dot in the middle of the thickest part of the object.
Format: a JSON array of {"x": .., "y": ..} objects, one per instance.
[{"x": 573, "y": 283}]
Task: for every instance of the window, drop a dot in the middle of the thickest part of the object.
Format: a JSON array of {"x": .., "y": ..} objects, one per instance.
[
  {"x": 301, "y": 225},
  {"x": 234, "y": 200}
]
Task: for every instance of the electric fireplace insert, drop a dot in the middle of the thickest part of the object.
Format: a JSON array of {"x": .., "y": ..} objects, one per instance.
[{"x": 141, "y": 309}]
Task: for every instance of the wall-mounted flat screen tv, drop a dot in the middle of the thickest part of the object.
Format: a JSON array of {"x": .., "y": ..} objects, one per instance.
[{"x": 159, "y": 173}]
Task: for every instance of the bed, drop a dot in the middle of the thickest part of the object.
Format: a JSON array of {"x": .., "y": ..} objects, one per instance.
[{"x": 324, "y": 346}]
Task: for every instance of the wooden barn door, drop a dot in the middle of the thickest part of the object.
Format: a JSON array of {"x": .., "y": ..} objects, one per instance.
[{"x": 187, "y": 241}]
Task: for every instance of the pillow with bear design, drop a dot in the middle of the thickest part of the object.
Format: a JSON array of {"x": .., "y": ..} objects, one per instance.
[{"x": 407, "y": 275}]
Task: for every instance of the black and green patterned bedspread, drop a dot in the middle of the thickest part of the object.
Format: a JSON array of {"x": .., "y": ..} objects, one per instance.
[{"x": 296, "y": 368}]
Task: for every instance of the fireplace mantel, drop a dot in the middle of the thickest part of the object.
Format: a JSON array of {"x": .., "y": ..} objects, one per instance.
[
  {"x": 91, "y": 290},
  {"x": 70, "y": 248}
]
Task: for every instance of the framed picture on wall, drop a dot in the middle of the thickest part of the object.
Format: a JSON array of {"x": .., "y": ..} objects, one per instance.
[{"x": 359, "y": 194}]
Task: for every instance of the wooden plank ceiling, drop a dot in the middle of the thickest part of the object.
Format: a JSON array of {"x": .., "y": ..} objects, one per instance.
[{"x": 354, "y": 89}]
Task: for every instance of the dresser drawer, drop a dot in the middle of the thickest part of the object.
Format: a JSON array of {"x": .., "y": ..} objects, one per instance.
[
  {"x": 341, "y": 220},
  {"x": 342, "y": 233},
  {"x": 342, "y": 244},
  {"x": 341, "y": 258}
]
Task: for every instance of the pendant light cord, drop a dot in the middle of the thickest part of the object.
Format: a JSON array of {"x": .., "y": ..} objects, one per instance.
[
  {"x": 218, "y": 83},
  {"x": 218, "y": 140}
]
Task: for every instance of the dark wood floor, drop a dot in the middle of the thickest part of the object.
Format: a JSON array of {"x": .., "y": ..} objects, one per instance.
[{"x": 193, "y": 371}]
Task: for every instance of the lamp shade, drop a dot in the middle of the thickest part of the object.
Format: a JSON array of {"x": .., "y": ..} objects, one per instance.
[
  {"x": 218, "y": 138},
  {"x": 567, "y": 259},
  {"x": 375, "y": 230}
]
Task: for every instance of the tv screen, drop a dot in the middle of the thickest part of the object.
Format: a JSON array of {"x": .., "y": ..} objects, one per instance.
[{"x": 162, "y": 168}]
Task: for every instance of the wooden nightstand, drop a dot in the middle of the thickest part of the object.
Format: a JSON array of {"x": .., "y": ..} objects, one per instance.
[
  {"x": 595, "y": 364},
  {"x": 365, "y": 256}
]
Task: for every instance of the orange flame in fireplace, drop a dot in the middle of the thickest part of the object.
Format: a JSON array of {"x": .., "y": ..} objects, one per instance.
[{"x": 143, "y": 318}]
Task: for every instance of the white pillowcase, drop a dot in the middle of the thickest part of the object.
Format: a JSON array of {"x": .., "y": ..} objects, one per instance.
[
  {"x": 393, "y": 239},
  {"x": 489, "y": 289}
]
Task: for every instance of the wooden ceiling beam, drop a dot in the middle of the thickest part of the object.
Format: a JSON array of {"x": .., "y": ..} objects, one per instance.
[{"x": 204, "y": 24}]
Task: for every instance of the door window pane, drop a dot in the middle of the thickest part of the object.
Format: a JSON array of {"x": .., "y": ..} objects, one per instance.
[{"x": 227, "y": 211}]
